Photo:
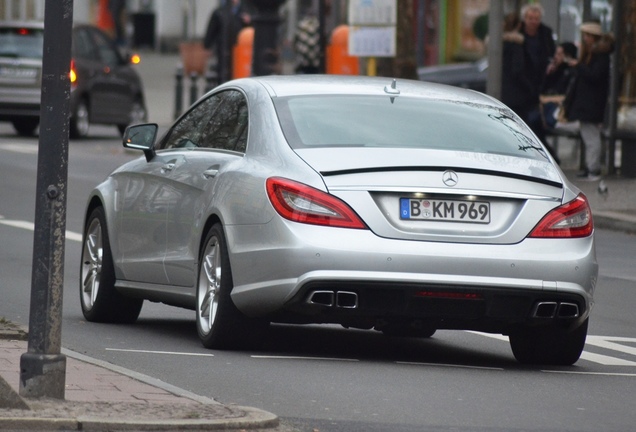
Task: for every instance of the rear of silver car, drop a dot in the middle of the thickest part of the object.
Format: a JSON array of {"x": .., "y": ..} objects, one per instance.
[
  {"x": 467, "y": 225},
  {"x": 448, "y": 272}
]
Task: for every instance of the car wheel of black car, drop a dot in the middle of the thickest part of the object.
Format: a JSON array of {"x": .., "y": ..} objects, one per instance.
[
  {"x": 100, "y": 300},
  {"x": 219, "y": 323},
  {"x": 138, "y": 114},
  {"x": 25, "y": 126},
  {"x": 554, "y": 346},
  {"x": 80, "y": 120}
]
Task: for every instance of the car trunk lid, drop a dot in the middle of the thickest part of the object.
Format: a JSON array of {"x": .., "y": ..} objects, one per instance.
[{"x": 436, "y": 195}]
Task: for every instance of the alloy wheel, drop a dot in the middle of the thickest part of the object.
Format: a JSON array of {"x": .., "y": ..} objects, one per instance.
[
  {"x": 92, "y": 258},
  {"x": 209, "y": 285}
]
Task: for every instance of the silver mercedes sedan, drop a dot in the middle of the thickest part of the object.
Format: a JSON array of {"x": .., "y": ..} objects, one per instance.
[{"x": 373, "y": 203}]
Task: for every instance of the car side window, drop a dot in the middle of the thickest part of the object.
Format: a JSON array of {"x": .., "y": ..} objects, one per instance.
[
  {"x": 190, "y": 129},
  {"x": 218, "y": 122},
  {"x": 227, "y": 128},
  {"x": 82, "y": 46},
  {"x": 106, "y": 50}
]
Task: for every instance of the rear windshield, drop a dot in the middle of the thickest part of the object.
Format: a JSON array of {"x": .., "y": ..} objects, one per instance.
[
  {"x": 21, "y": 42},
  {"x": 376, "y": 121}
]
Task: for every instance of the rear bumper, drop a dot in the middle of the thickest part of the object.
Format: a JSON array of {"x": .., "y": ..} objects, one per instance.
[
  {"x": 13, "y": 110},
  {"x": 19, "y": 102},
  {"x": 495, "y": 310},
  {"x": 453, "y": 285}
]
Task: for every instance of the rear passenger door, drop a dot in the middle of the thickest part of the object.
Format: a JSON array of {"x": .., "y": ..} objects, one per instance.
[{"x": 211, "y": 137}]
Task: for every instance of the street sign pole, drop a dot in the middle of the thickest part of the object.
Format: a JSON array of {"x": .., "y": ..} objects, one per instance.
[
  {"x": 43, "y": 367},
  {"x": 495, "y": 48}
]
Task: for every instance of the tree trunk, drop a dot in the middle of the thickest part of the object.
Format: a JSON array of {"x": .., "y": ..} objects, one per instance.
[{"x": 404, "y": 64}]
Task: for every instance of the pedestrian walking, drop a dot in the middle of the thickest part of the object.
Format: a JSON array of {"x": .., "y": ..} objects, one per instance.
[
  {"x": 586, "y": 101},
  {"x": 117, "y": 9},
  {"x": 517, "y": 91},
  {"x": 221, "y": 34},
  {"x": 307, "y": 45}
]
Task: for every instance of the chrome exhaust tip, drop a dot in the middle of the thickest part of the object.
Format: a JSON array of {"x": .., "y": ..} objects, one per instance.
[
  {"x": 568, "y": 310},
  {"x": 322, "y": 298},
  {"x": 346, "y": 299},
  {"x": 545, "y": 310}
]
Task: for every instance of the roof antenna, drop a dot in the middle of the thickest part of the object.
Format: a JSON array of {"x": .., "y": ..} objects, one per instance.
[{"x": 392, "y": 90}]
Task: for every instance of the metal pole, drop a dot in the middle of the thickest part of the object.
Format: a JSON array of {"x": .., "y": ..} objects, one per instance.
[
  {"x": 495, "y": 48},
  {"x": 194, "y": 88},
  {"x": 178, "y": 92},
  {"x": 322, "y": 37},
  {"x": 615, "y": 78},
  {"x": 266, "y": 55},
  {"x": 43, "y": 367},
  {"x": 225, "y": 56}
]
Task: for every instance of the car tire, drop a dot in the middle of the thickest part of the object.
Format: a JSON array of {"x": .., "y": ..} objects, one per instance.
[
  {"x": 100, "y": 300},
  {"x": 220, "y": 324},
  {"x": 138, "y": 114},
  {"x": 549, "y": 346},
  {"x": 80, "y": 120},
  {"x": 25, "y": 126}
]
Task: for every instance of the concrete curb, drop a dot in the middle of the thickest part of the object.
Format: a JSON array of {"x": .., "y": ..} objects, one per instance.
[
  {"x": 139, "y": 377},
  {"x": 254, "y": 419}
]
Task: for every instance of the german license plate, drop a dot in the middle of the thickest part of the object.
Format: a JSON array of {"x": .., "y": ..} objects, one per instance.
[
  {"x": 445, "y": 210},
  {"x": 20, "y": 73}
]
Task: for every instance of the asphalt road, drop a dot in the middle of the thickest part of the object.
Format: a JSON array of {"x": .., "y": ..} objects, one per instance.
[{"x": 324, "y": 377}]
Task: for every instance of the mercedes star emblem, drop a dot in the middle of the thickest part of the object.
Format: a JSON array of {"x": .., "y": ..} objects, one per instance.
[{"x": 450, "y": 178}]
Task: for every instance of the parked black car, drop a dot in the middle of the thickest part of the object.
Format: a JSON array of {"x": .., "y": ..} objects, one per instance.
[
  {"x": 466, "y": 75},
  {"x": 105, "y": 88}
]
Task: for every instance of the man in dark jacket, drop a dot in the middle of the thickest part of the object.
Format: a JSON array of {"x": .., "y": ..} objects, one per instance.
[
  {"x": 517, "y": 91},
  {"x": 223, "y": 28},
  {"x": 539, "y": 47}
]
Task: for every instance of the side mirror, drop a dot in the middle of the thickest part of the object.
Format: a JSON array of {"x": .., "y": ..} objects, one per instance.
[{"x": 142, "y": 137}]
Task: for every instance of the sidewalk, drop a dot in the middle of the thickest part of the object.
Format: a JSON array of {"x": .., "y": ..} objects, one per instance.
[{"x": 101, "y": 396}]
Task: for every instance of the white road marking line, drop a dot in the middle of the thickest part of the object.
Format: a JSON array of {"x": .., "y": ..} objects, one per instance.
[
  {"x": 70, "y": 235},
  {"x": 606, "y": 360},
  {"x": 161, "y": 352},
  {"x": 591, "y": 373},
  {"x": 607, "y": 342},
  {"x": 490, "y": 335},
  {"x": 449, "y": 365},
  {"x": 20, "y": 148},
  {"x": 274, "y": 357}
]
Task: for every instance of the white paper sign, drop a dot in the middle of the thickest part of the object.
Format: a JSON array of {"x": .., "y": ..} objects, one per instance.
[
  {"x": 373, "y": 12},
  {"x": 372, "y": 41}
]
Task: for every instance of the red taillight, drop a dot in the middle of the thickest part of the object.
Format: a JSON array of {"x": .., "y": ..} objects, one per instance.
[
  {"x": 301, "y": 203},
  {"x": 571, "y": 220},
  {"x": 72, "y": 74}
]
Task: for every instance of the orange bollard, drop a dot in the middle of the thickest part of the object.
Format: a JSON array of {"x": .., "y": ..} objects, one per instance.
[
  {"x": 242, "y": 53},
  {"x": 338, "y": 60}
]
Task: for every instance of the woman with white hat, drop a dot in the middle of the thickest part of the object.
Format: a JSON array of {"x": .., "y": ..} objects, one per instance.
[{"x": 587, "y": 98}]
